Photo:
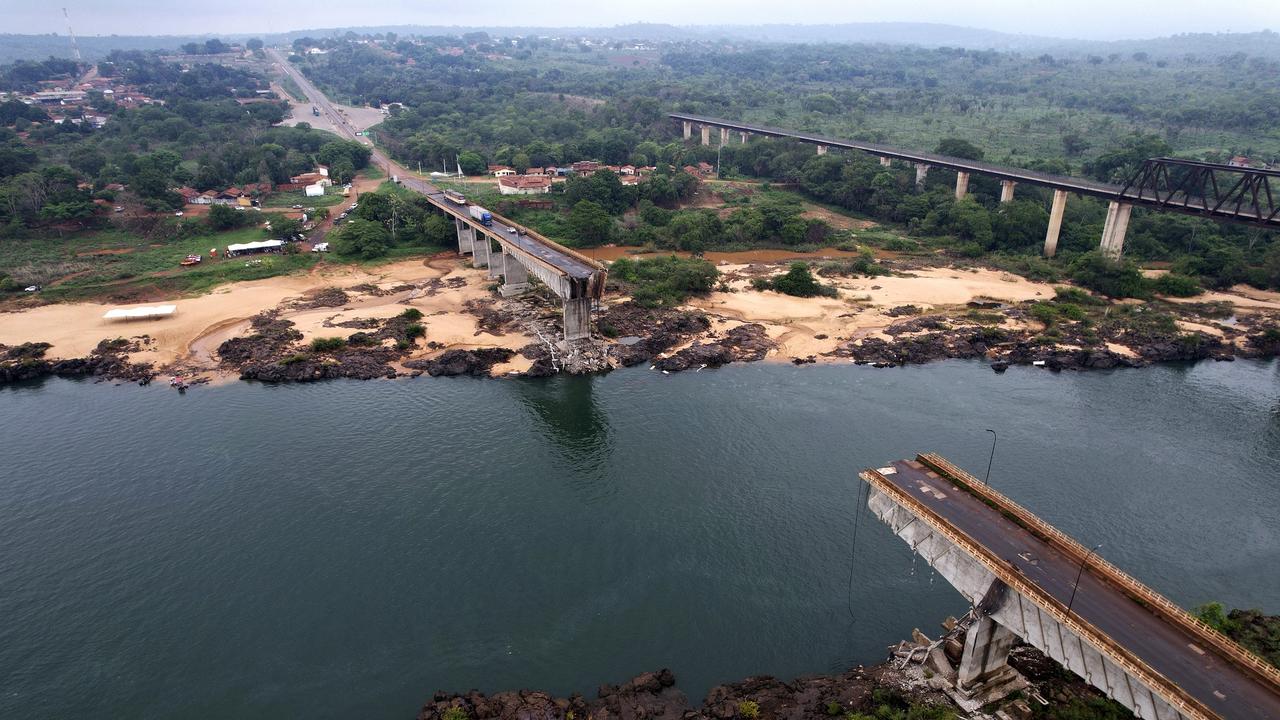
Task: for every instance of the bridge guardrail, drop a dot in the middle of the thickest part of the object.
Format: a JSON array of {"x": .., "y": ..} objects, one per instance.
[
  {"x": 1135, "y": 666},
  {"x": 1130, "y": 585}
]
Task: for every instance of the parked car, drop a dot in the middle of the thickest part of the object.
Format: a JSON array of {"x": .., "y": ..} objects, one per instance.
[
  {"x": 32, "y": 288},
  {"x": 297, "y": 207},
  {"x": 511, "y": 230},
  {"x": 178, "y": 214},
  {"x": 119, "y": 209},
  {"x": 320, "y": 247}
]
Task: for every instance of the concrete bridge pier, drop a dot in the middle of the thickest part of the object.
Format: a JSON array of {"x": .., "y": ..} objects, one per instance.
[
  {"x": 1113, "y": 231},
  {"x": 688, "y": 129},
  {"x": 515, "y": 277},
  {"x": 986, "y": 654},
  {"x": 724, "y": 136},
  {"x": 466, "y": 237},
  {"x": 962, "y": 185},
  {"x": 706, "y": 134},
  {"x": 479, "y": 249},
  {"x": 922, "y": 172},
  {"x": 822, "y": 149},
  {"x": 577, "y": 319},
  {"x": 496, "y": 260},
  {"x": 1055, "y": 222},
  {"x": 744, "y": 135},
  {"x": 885, "y": 162},
  {"x": 1006, "y": 190}
]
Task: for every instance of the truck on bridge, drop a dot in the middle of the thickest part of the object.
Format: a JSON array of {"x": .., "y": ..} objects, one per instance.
[
  {"x": 455, "y": 197},
  {"x": 479, "y": 213}
]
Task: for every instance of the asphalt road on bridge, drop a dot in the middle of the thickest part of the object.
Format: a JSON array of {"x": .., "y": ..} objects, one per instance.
[
  {"x": 1219, "y": 684},
  {"x": 568, "y": 264}
]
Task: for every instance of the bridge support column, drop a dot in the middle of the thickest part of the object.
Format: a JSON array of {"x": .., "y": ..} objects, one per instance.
[
  {"x": 1114, "y": 230},
  {"x": 688, "y": 129},
  {"x": 962, "y": 185},
  {"x": 706, "y": 134},
  {"x": 744, "y": 135},
  {"x": 465, "y": 237},
  {"x": 822, "y": 149},
  {"x": 986, "y": 652},
  {"x": 577, "y": 319},
  {"x": 515, "y": 277},
  {"x": 479, "y": 249},
  {"x": 724, "y": 136},
  {"x": 1006, "y": 190},
  {"x": 495, "y": 260},
  {"x": 885, "y": 162},
  {"x": 922, "y": 172},
  {"x": 1055, "y": 222}
]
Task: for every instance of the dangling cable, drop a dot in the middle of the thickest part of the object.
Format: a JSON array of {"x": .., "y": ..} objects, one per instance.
[{"x": 863, "y": 497}]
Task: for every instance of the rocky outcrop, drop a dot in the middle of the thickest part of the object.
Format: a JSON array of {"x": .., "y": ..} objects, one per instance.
[
  {"x": 476, "y": 363},
  {"x": 745, "y": 343},
  {"x": 654, "y": 696},
  {"x": 108, "y": 361},
  {"x": 648, "y": 332}
]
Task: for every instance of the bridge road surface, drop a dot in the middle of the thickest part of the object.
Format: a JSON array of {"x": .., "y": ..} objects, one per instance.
[
  {"x": 571, "y": 266},
  {"x": 1229, "y": 691}
]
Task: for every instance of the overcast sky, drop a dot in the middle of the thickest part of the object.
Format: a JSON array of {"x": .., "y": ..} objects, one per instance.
[{"x": 1090, "y": 19}]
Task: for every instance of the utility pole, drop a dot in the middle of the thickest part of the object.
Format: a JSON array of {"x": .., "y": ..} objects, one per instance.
[
  {"x": 75, "y": 49},
  {"x": 1076, "y": 586}
]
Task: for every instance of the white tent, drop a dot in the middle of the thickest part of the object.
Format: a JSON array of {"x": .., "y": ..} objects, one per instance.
[
  {"x": 140, "y": 313},
  {"x": 314, "y": 190},
  {"x": 254, "y": 246}
]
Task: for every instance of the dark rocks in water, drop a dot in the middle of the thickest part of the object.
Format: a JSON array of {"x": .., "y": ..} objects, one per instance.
[
  {"x": 654, "y": 696},
  {"x": 808, "y": 360},
  {"x": 656, "y": 330},
  {"x": 745, "y": 343},
  {"x": 324, "y": 297},
  {"x": 1000, "y": 366},
  {"x": 477, "y": 363},
  {"x": 107, "y": 361}
]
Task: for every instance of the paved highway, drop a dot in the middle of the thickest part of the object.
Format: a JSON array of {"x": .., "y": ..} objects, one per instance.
[
  {"x": 566, "y": 263},
  {"x": 1169, "y": 649}
]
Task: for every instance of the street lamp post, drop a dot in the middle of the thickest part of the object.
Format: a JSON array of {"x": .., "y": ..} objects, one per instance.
[
  {"x": 1080, "y": 573},
  {"x": 994, "y": 438}
]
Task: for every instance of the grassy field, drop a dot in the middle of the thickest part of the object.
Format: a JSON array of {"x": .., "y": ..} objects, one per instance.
[
  {"x": 332, "y": 196},
  {"x": 291, "y": 87},
  {"x": 117, "y": 266}
]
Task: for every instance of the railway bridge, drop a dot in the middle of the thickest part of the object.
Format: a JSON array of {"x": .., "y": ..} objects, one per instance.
[
  {"x": 1220, "y": 192},
  {"x": 1026, "y": 578}
]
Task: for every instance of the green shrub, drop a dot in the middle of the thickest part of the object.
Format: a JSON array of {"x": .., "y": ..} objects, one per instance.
[
  {"x": 412, "y": 314},
  {"x": 800, "y": 282},
  {"x": 1113, "y": 278},
  {"x": 749, "y": 709},
  {"x": 328, "y": 344},
  {"x": 455, "y": 713},
  {"x": 1176, "y": 285},
  {"x": 1076, "y": 296},
  {"x": 414, "y": 331},
  {"x": 665, "y": 281},
  {"x": 1045, "y": 313},
  {"x": 833, "y": 708}
]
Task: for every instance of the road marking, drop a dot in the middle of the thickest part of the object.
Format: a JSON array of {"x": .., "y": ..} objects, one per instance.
[
  {"x": 1195, "y": 648},
  {"x": 1219, "y": 695}
]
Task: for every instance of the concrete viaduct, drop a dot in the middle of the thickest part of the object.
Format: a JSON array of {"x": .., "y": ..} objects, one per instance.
[
  {"x": 1027, "y": 579},
  {"x": 575, "y": 278},
  {"x": 1193, "y": 188}
]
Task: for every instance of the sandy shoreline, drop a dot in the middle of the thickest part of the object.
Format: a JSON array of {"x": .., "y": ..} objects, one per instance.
[{"x": 440, "y": 285}]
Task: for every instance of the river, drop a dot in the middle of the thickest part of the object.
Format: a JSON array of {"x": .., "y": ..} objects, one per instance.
[{"x": 342, "y": 550}]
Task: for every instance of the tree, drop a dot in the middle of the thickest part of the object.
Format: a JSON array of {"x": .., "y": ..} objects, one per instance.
[
  {"x": 363, "y": 239},
  {"x": 955, "y": 147},
  {"x": 472, "y": 163},
  {"x": 590, "y": 223},
  {"x": 1113, "y": 278},
  {"x": 798, "y": 281},
  {"x": 253, "y": 44},
  {"x": 225, "y": 217}
]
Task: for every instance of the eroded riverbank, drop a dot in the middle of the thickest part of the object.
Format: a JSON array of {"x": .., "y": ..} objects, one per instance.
[{"x": 334, "y": 322}]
